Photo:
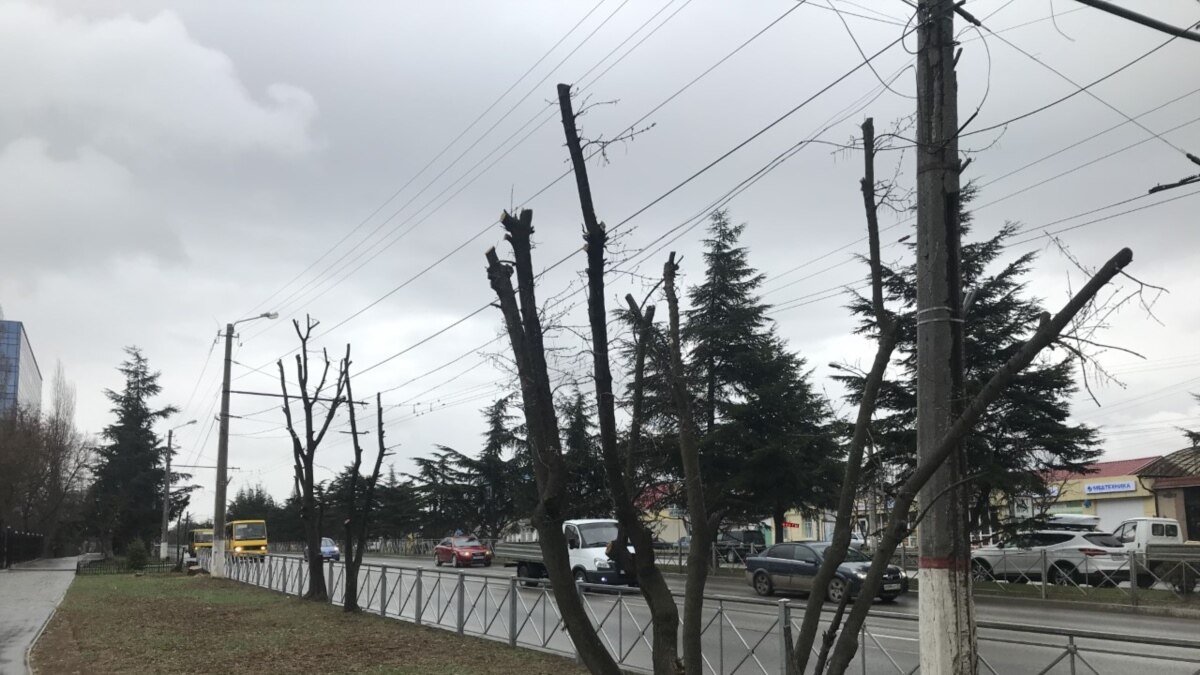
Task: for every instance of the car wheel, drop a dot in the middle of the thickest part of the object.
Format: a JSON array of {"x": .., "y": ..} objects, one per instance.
[
  {"x": 437, "y": 562},
  {"x": 580, "y": 575},
  {"x": 524, "y": 574},
  {"x": 487, "y": 563},
  {"x": 887, "y": 599},
  {"x": 1145, "y": 581},
  {"x": 1062, "y": 574},
  {"x": 731, "y": 556},
  {"x": 981, "y": 570},
  {"x": 837, "y": 590},
  {"x": 762, "y": 584}
]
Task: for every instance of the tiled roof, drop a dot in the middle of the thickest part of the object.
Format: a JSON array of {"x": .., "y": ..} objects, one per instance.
[{"x": 1120, "y": 467}]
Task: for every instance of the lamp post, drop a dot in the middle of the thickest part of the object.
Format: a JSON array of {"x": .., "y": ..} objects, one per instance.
[
  {"x": 166, "y": 496},
  {"x": 218, "y": 554}
]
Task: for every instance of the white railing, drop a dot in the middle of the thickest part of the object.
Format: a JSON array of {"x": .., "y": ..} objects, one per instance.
[{"x": 740, "y": 635}]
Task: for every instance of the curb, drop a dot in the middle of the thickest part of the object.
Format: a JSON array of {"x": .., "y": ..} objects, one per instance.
[{"x": 42, "y": 629}]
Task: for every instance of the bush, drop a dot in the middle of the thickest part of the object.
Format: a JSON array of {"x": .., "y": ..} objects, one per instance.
[{"x": 137, "y": 554}]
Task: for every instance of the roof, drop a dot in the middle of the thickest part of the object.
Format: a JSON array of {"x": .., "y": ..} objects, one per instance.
[
  {"x": 1178, "y": 464},
  {"x": 1119, "y": 467}
]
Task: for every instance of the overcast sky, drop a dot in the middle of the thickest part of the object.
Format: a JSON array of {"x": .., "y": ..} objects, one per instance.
[{"x": 169, "y": 167}]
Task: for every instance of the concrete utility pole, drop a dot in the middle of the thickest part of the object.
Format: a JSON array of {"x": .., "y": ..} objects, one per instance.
[
  {"x": 166, "y": 495},
  {"x": 218, "y": 549},
  {"x": 947, "y": 625},
  {"x": 217, "y": 568}
]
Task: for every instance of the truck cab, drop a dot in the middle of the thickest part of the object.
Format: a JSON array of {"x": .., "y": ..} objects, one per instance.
[
  {"x": 587, "y": 541},
  {"x": 1137, "y": 534},
  {"x": 587, "y": 547}
]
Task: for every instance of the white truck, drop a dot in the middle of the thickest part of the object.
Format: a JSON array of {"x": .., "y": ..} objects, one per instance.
[
  {"x": 587, "y": 541},
  {"x": 1158, "y": 546}
]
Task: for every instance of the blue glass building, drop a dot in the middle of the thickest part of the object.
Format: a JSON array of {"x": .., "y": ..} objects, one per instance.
[{"x": 20, "y": 377}]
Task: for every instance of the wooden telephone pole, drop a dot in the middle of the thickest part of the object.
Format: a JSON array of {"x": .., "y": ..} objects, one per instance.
[{"x": 947, "y": 625}]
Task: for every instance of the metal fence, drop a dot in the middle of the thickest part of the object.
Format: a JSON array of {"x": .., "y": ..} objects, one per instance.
[
  {"x": 1131, "y": 579},
  {"x": 17, "y": 546},
  {"x": 740, "y": 635},
  {"x": 86, "y": 566}
]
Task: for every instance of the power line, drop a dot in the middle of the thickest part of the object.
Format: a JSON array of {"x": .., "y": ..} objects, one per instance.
[{"x": 430, "y": 163}]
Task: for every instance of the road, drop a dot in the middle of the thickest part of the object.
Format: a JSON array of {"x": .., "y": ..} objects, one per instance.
[{"x": 742, "y": 633}]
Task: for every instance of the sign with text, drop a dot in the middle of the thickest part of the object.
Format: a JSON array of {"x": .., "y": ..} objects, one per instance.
[{"x": 1110, "y": 486}]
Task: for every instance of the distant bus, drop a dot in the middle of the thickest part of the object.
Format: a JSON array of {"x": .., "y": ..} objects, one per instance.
[
  {"x": 246, "y": 538},
  {"x": 199, "y": 540}
]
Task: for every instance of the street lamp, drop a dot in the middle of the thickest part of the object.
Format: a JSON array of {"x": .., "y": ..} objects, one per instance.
[
  {"x": 166, "y": 497},
  {"x": 218, "y": 553}
]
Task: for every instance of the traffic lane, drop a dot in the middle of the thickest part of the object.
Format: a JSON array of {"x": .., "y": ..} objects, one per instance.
[{"x": 988, "y": 609}]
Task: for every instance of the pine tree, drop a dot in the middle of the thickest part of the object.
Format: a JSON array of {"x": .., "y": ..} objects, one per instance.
[
  {"x": 1025, "y": 434},
  {"x": 126, "y": 497},
  {"x": 768, "y": 446},
  {"x": 587, "y": 493},
  {"x": 727, "y": 323},
  {"x": 1193, "y": 435}
]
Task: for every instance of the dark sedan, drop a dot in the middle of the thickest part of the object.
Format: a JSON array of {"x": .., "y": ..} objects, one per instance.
[{"x": 791, "y": 567}]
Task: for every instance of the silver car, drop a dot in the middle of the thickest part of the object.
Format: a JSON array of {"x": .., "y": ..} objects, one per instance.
[{"x": 1064, "y": 557}]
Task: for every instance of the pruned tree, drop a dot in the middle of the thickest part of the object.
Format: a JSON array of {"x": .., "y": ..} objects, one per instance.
[
  {"x": 1050, "y": 329},
  {"x": 359, "y": 498},
  {"x": 524, "y": 328},
  {"x": 305, "y": 442},
  {"x": 664, "y": 614},
  {"x": 704, "y": 523}
]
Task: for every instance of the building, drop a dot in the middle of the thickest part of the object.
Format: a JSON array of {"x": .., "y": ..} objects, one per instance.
[
  {"x": 1110, "y": 490},
  {"x": 1174, "y": 482},
  {"x": 20, "y": 377}
]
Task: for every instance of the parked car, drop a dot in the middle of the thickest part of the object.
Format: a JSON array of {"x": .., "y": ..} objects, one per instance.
[
  {"x": 684, "y": 543},
  {"x": 462, "y": 551},
  {"x": 1159, "y": 546},
  {"x": 1071, "y": 557},
  {"x": 791, "y": 567},
  {"x": 737, "y": 545}
]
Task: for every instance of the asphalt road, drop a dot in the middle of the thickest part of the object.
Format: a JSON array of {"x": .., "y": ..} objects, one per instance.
[{"x": 742, "y": 633}]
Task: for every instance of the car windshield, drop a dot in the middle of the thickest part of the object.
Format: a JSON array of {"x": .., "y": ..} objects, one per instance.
[
  {"x": 326, "y": 541},
  {"x": 597, "y": 534},
  {"x": 250, "y": 531},
  {"x": 466, "y": 541},
  {"x": 202, "y": 537},
  {"x": 852, "y": 554},
  {"x": 1103, "y": 539}
]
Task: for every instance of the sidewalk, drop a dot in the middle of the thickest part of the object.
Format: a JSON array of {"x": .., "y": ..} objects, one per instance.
[{"x": 28, "y": 595}]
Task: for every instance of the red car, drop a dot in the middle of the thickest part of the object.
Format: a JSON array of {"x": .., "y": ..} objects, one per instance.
[{"x": 463, "y": 551}]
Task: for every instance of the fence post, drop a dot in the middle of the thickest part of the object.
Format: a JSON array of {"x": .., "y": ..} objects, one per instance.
[
  {"x": 785, "y": 633},
  {"x": 862, "y": 648},
  {"x": 1133, "y": 578},
  {"x": 582, "y": 601},
  {"x": 1045, "y": 574},
  {"x": 462, "y": 602},
  {"x": 512, "y": 612},
  {"x": 1071, "y": 651},
  {"x": 417, "y": 589},
  {"x": 383, "y": 596},
  {"x": 721, "y": 638},
  {"x": 329, "y": 582},
  {"x": 270, "y": 573}
]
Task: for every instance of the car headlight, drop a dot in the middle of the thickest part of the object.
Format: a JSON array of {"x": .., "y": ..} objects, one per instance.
[
  {"x": 602, "y": 563},
  {"x": 237, "y": 548},
  {"x": 861, "y": 574}
]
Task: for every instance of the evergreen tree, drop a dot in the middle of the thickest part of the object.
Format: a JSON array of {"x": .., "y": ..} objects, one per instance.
[
  {"x": 1193, "y": 436},
  {"x": 1025, "y": 434},
  {"x": 726, "y": 327},
  {"x": 768, "y": 446},
  {"x": 253, "y": 503},
  {"x": 587, "y": 494},
  {"x": 126, "y": 497}
]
